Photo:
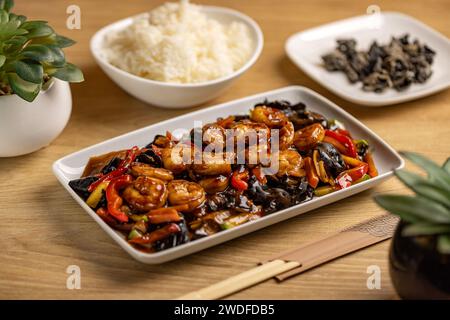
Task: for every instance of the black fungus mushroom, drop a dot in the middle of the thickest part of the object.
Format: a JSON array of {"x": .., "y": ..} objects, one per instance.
[
  {"x": 150, "y": 157},
  {"x": 331, "y": 158},
  {"x": 395, "y": 65},
  {"x": 80, "y": 186},
  {"x": 174, "y": 239}
]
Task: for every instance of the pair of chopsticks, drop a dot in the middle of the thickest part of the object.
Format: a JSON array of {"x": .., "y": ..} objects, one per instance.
[
  {"x": 241, "y": 281},
  {"x": 308, "y": 256}
]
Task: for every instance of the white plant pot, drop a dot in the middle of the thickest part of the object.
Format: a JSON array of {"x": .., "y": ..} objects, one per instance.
[{"x": 28, "y": 126}]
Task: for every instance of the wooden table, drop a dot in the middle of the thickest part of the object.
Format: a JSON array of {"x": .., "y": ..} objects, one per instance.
[{"x": 43, "y": 230}]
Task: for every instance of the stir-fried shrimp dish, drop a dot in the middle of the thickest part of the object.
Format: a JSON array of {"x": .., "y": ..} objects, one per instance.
[{"x": 223, "y": 174}]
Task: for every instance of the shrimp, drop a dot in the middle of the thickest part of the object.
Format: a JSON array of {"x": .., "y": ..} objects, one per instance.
[
  {"x": 214, "y": 136},
  {"x": 146, "y": 193},
  {"x": 308, "y": 137},
  {"x": 248, "y": 132},
  {"x": 143, "y": 169},
  {"x": 183, "y": 192},
  {"x": 214, "y": 184},
  {"x": 286, "y": 136},
  {"x": 290, "y": 164},
  {"x": 271, "y": 117},
  {"x": 178, "y": 158},
  {"x": 213, "y": 164}
]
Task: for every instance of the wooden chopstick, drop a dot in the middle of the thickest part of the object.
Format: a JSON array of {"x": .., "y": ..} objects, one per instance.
[{"x": 241, "y": 281}]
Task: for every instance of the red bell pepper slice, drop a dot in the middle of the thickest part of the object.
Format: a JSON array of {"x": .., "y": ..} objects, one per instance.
[
  {"x": 129, "y": 157},
  {"x": 121, "y": 168},
  {"x": 311, "y": 174},
  {"x": 239, "y": 180},
  {"x": 107, "y": 177},
  {"x": 113, "y": 198},
  {"x": 156, "y": 235},
  {"x": 163, "y": 215},
  {"x": 343, "y": 132},
  {"x": 373, "y": 172},
  {"x": 347, "y": 177},
  {"x": 345, "y": 140}
]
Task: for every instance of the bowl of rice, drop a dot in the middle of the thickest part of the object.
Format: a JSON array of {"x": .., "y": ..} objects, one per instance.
[{"x": 178, "y": 54}]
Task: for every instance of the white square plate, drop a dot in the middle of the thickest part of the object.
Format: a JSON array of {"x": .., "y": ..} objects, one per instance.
[
  {"x": 306, "y": 48},
  {"x": 386, "y": 159}
]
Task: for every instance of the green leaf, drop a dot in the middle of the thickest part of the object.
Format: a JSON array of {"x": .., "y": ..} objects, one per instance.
[
  {"x": 423, "y": 187},
  {"x": 10, "y": 29},
  {"x": 58, "y": 57},
  {"x": 443, "y": 244},
  {"x": 42, "y": 31},
  {"x": 436, "y": 173},
  {"x": 33, "y": 24},
  {"x": 29, "y": 71},
  {"x": 6, "y": 4},
  {"x": 24, "y": 89},
  {"x": 69, "y": 73},
  {"x": 4, "y": 17},
  {"x": 446, "y": 165},
  {"x": 414, "y": 209},
  {"x": 2, "y": 60},
  {"x": 421, "y": 229},
  {"x": 17, "y": 40},
  {"x": 64, "y": 42},
  {"x": 15, "y": 17},
  {"x": 37, "y": 52}
]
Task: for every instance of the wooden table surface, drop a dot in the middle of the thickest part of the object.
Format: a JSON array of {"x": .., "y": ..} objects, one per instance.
[{"x": 43, "y": 230}]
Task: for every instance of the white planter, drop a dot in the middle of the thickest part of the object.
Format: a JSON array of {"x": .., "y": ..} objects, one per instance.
[{"x": 26, "y": 127}]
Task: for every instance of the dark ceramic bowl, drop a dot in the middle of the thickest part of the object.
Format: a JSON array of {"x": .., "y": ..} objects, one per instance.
[{"x": 417, "y": 270}]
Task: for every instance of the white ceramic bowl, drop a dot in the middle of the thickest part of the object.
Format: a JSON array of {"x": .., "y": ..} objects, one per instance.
[
  {"x": 174, "y": 95},
  {"x": 29, "y": 126}
]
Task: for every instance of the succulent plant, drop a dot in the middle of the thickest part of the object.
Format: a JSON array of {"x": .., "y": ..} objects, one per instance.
[
  {"x": 31, "y": 54},
  {"x": 427, "y": 213}
]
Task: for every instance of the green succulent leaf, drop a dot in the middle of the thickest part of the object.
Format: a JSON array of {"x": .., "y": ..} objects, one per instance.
[
  {"x": 10, "y": 29},
  {"x": 33, "y": 24},
  {"x": 20, "y": 18},
  {"x": 29, "y": 71},
  {"x": 424, "y": 188},
  {"x": 6, "y": 4},
  {"x": 443, "y": 244},
  {"x": 58, "y": 58},
  {"x": 24, "y": 89},
  {"x": 446, "y": 165},
  {"x": 69, "y": 72},
  {"x": 421, "y": 229},
  {"x": 17, "y": 40},
  {"x": 64, "y": 42},
  {"x": 436, "y": 173},
  {"x": 414, "y": 209},
  {"x": 29, "y": 52},
  {"x": 38, "y": 53},
  {"x": 4, "y": 17},
  {"x": 41, "y": 31}
]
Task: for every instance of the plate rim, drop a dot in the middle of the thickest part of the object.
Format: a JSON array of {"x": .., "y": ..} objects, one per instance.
[
  {"x": 348, "y": 97},
  {"x": 204, "y": 243}
]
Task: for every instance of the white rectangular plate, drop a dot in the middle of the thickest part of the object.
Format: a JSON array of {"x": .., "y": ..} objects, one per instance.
[
  {"x": 306, "y": 48},
  {"x": 386, "y": 159}
]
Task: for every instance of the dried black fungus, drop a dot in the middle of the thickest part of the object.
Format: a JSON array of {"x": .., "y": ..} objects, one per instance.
[
  {"x": 395, "y": 65},
  {"x": 150, "y": 157},
  {"x": 80, "y": 186},
  {"x": 174, "y": 239},
  {"x": 111, "y": 166},
  {"x": 331, "y": 158}
]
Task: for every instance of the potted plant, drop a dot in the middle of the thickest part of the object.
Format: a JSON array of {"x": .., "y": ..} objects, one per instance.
[
  {"x": 419, "y": 257},
  {"x": 35, "y": 99}
]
